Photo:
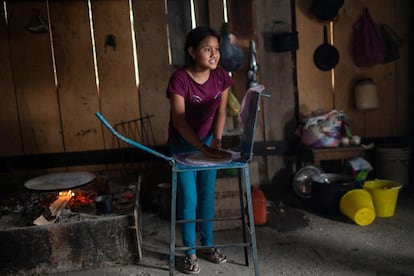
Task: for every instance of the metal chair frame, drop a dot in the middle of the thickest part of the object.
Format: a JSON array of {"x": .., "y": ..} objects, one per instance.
[{"x": 242, "y": 166}]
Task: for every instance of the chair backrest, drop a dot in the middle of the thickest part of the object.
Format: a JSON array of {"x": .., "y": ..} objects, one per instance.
[
  {"x": 250, "y": 111},
  {"x": 130, "y": 141}
]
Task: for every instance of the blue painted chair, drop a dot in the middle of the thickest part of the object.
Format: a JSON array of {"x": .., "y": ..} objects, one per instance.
[{"x": 250, "y": 108}]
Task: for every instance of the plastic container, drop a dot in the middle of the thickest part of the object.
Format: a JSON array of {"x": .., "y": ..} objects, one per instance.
[
  {"x": 366, "y": 95},
  {"x": 393, "y": 163},
  {"x": 327, "y": 190},
  {"x": 384, "y": 194},
  {"x": 357, "y": 205},
  {"x": 259, "y": 206}
]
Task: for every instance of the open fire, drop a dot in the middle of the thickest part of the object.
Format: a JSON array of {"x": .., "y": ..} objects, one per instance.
[
  {"x": 74, "y": 235},
  {"x": 35, "y": 208},
  {"x": 63, "y": 199}
]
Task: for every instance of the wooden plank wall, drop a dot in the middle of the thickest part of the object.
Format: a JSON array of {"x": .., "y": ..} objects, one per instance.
[
  {"x": 118, "y": 87},
  {"x": 41, "y": 116},
  {"x": 276, "y": 73},
  {"x": 50, "y": 92},
  {"x": 34, "y": 85},
  {"x": 53, "y": 83},
  {"x": 10, "y": 142},
  {"x": 315, "y": 86}
]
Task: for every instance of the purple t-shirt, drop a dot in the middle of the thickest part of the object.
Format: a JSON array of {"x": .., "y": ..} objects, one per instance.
[{"x": 201, "y": 100}]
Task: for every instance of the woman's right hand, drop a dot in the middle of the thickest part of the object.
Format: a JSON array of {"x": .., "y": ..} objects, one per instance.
[{"x": 215, "y": 153}]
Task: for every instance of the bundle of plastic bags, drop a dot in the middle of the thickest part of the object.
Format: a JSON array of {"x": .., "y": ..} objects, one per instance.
[{"x": 324, "y": 129}]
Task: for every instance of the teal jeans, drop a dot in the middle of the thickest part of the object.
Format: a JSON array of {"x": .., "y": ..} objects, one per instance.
[{"x": 195, "y": 199}]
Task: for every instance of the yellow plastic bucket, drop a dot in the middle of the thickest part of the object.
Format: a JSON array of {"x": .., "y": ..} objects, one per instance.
[
  {"x": 357, "y": 205},
  {"x": 384, "y": 194}
]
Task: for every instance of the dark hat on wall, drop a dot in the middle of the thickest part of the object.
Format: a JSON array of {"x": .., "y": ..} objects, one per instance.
[{"x": 326, "y": 9}]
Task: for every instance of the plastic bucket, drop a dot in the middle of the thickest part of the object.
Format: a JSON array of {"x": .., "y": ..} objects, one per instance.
[
  {"x": 384, "y": 194},
  {"x": 393, "y": 163},
  {"x": 357, "y": 205}
]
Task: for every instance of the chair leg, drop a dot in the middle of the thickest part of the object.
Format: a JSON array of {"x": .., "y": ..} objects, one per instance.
[
  {"x": 243, "y": 215},
  {"x": 173, "y": 221},
  {"x": 251, "y": 221}
]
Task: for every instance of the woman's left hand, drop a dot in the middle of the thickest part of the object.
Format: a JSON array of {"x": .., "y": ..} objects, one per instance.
[
  {"x": 214, "y": 153},
  {"x": 216, "y": 143}
]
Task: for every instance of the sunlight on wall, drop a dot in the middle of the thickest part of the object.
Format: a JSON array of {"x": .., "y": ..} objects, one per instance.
[
  {"x": 95, "y": 60},
  {"x": 134, "y": 45}
]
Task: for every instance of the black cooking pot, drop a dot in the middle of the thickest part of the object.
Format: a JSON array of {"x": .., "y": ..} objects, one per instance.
[
  {"x": 326, "y": 9},
  {"x": 285, "y": 41},
  {"x": 282, "y": 39},
  {"x": 327, "y": 191},
  {"x": 326, "y": 56}
]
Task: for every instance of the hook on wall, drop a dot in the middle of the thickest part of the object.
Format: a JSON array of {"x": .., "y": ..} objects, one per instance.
[
  {"x": 37, "y": 24},
  {"x": 110, "y": 40}
]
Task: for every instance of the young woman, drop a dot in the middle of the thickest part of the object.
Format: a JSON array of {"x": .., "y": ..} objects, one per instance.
[{"x": 198, "y": 96}]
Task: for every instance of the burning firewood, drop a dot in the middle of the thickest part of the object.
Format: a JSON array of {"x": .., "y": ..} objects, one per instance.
[{"x": 52, "y": 213}]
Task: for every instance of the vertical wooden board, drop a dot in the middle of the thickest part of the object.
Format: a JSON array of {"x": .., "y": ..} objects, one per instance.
[
  {"x": 241, "y": 23},
  {"x": 242, "y": 17},
  {"x": 10, "y": 138},
  {"x": 179, "y": 24},
  {"x": 118, "y": 91},
  {"x": 216, "y": 14},
  {"x": 34, "y": 80},
  {"x": 150, "y": 23},
  {"x": 201, "y": 12},
  {"x": 314, "y": 86},
  {"x": 383, "y": 11},
  {"x": 403, "y": 18},
  {"x": 276, "y": 73},
  {"x": 347, "y": 73},
  {"x": 76, "y": 76}
]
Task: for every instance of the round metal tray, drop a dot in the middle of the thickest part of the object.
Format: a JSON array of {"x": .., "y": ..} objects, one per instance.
[{"x": 59, "y": 181}]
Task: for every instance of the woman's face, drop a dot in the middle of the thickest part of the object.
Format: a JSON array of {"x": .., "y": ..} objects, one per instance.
[{"x": 207, "y": 54}]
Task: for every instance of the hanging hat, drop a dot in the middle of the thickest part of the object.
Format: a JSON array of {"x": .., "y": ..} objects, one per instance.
[{"x": 326, "y": 9}]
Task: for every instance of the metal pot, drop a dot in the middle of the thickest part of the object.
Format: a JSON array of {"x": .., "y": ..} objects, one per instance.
[{"x": 285, "y": 41}]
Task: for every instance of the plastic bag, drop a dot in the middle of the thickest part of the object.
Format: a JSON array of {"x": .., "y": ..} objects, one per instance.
[
  {"x": 324, "y": 130},
  {"x": 233, "y": 105},
  {"x": 368, "y": 44},
  {"x": 231, "y": 56},
  {"x": 392, "y": 44}
]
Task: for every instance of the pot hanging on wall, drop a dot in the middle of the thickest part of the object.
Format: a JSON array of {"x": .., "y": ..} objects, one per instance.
[
  {"x": 326, "y": 9},
  {"x": 283, "y": 39}
]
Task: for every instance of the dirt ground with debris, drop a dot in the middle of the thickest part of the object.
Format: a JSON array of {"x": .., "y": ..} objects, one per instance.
[{"x": 295, "y": 241}]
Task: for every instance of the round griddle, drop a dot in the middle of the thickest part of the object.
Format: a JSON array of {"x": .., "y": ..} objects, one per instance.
[{"x": 59, "y": 181}]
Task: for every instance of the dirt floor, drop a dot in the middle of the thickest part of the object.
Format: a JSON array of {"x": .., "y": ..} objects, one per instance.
[{"x": 295, "y": 241}]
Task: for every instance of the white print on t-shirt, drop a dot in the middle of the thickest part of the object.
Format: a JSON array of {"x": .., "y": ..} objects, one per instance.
[{"x": 196, "y": 99}]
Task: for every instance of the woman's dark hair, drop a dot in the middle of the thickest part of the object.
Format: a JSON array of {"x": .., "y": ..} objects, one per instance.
[{"x": 194, "y": 37}]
